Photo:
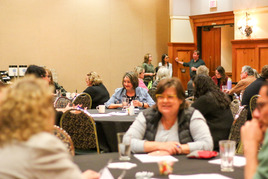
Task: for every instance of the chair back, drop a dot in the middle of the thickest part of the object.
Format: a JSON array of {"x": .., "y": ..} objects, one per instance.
[
  {"x": 61, "y": 102},
  {"x": 64, "y": 137},
  {"x": 253, "y": 102},
  {"x": 234, "y": 106},
  {"x": 239, "y": 121},
  {"x": 82, "y": 129},
  {"x": 152, "y": 93},
  {"x": 84, "y": 99}
]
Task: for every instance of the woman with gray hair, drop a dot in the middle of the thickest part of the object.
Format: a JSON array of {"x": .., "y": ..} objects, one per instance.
[
  {"x": 140, "y": 72},
  {"x": 161, "y": 74}
]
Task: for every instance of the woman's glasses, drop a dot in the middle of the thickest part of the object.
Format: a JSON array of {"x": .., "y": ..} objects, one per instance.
[{"x": 169, "y": 97}]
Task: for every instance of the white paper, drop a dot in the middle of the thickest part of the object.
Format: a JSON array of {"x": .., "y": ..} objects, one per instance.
[
  {"x": 238, "y": 161},
  {"x": 199, "y": 176},
  {"x": 145, "y": 158},
  {"x": 118, "y": 113},
  {"x": 122, "y": 165},
  {"x": 100, "y": 115},
  {"x": 106, "y": 174}
]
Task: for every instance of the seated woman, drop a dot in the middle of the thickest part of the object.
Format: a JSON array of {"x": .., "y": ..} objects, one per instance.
[
  {"x": 140, "y": 72},
  {"x": 96, "y": 89},
  {"x": 161, "y": 74},
  {"x": 27, "y": 147},
  {"x": 170, "y": 127},
  {"x": 130, "y": 90},
  {"x": 55, "y": 84},
  {"x": 214, "y": 105},
  {"x": 220, "y": 77}
]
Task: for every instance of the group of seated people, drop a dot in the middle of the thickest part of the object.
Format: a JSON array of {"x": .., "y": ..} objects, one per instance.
[{"x": 167, "y": 126}]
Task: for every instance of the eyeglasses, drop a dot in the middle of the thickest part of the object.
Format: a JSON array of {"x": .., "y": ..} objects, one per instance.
[
  {"x": 161, "y": 97},
  {"x": 260, "y": 105}
]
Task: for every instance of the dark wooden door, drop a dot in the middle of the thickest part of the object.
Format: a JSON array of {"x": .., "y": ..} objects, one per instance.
[
  {"x": 211, "y": 48},
  {"x": 183, "y": 73}
]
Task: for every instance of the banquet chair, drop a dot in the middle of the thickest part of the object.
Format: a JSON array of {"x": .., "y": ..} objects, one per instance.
[
  {"x": 239, "y": 121},
  {"x": 61, "y": 102},
  {"x": 65, "y": 138},
  {"x": 234, "y": 106},
  {"x": 253, "y": 102},
  {"x": 84, "y": 99},
  {"x": 152, "y": 93},
  {"x": 82, "y": 129}
]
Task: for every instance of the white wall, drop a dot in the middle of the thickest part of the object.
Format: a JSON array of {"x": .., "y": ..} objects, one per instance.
[
  {"x": 227, "y": 34},
  {"x": 180, "y": 29},
  {"x": 77, "y": 36},
  {"x": 259, "y": 18},
  {"x": 199, "y": 7}
]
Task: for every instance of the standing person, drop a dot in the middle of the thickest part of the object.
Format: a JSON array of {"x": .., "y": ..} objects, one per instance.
[
  {"x": 193, "y": 64},
  {"x": 170, "y": 127},
  {"x": 140, "y": 72},
  {"x": 149, "y": 69},
  {"x": 254, "y": 89},
  {"x": 132, "y": 91},
  {"x": 254, "y": 133},
  {"x": 96, "y": 89},
  {"x": 220, "y": 78},
  {"x": 165, "y": 63},
  {"x": 28, "y": 149},
  {"x": 214, "y": 105}
]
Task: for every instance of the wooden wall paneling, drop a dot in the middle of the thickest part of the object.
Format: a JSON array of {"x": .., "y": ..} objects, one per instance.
[
  {"x": 184, "y": 52},
  {"x": 244, "y": 57},
  {"x": 252, "y": 52}
]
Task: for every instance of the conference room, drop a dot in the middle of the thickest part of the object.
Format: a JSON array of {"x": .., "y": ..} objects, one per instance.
[{"x": 73, "y": 38}]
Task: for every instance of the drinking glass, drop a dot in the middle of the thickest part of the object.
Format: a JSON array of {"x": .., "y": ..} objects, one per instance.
[
  {"x": 125, "y": 102},
  {"x": 227, "y": 152},
  {"x": 123, "y": 146}
]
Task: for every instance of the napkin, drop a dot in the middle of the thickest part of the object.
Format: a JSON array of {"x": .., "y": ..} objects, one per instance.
[
  {"x": 202, "y": 154},
  {"x": 122, "y": 165}
]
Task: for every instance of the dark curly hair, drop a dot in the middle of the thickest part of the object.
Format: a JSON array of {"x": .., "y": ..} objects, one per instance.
[{"x": 203, "y": 84}]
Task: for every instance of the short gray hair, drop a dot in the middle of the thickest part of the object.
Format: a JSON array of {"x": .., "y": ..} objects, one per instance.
[
  {"x": 248, "y": 69},
  {"x": 202, "y": 70},
  {"x": 162, "y": 72}
]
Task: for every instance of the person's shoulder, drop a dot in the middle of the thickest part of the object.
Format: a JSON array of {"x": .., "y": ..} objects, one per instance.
[
  {"x": 214, "y": 77},
  {"x": 44, "y": 140}
]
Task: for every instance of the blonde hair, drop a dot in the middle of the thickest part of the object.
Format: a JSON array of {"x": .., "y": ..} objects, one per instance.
[
  {"x": 26, "y": 109},
  {"x": 94, "y": 78}
]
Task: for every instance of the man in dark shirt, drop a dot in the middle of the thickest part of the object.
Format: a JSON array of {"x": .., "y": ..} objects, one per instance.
[
  {"x": 193, "y": 64},
  {"x": 254, "y": 88}
]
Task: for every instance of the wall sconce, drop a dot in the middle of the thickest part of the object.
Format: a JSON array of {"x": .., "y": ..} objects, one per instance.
[{"x": 245, "y": 25}]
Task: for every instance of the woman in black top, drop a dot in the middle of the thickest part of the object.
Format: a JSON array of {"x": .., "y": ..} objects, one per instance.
[
  {"x": 214, "y": 105},
  {"x": 96, "y": 89}
]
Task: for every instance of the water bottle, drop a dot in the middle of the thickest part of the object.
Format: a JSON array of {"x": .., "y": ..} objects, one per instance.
[{"x": 229, "y": 84}]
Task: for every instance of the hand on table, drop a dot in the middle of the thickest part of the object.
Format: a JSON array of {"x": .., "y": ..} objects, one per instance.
[{"x": 172, "y": 148}]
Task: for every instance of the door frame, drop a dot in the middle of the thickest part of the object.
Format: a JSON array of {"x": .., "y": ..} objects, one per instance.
[{"x": 214, "y": 19}]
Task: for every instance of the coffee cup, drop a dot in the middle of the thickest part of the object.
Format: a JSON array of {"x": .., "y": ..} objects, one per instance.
[{"x": 101, "y": 108}]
